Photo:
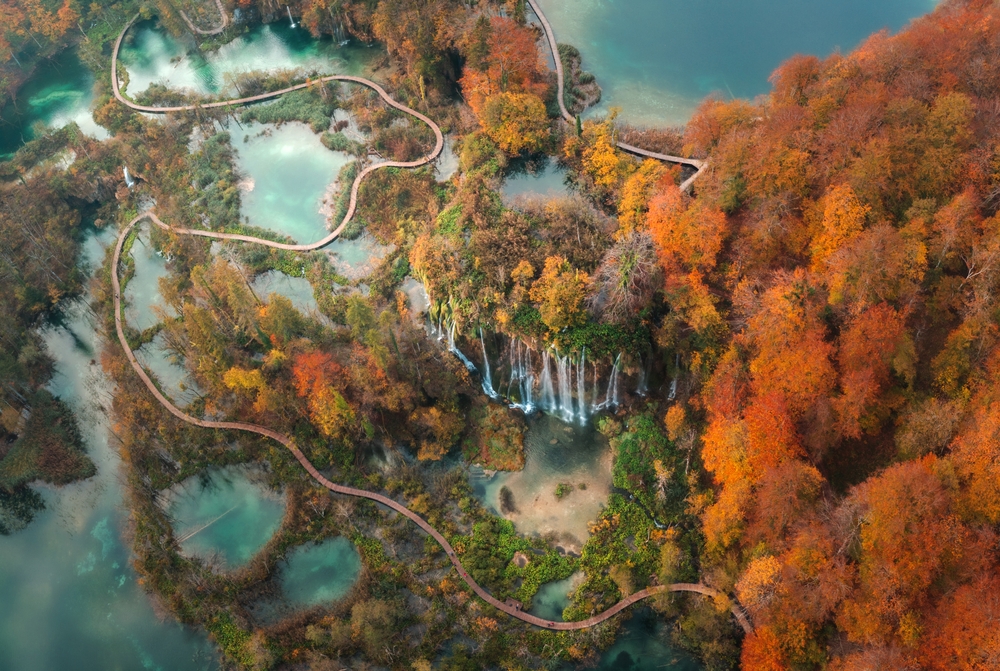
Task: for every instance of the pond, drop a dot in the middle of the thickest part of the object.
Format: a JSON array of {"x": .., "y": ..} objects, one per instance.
[
  {"x": 59, "y": 91},
  {"x": 556, "y": 454},
  {"x": 142, "y": 293},
  {"x": 552, "y": 598},
  {"x": 224, "y": 515},
  {"x": 644, "y": 644},
  {"x": 70, "y": 597},
  {"x": 173, "y": 377},
  {"x": 152, "y": 56},
  {"x": 287, "y": 177},
  {"x": 319, "y": 573},
  {"x": 295, "y": 289},
  {"x": 657, "y": 59},
  {"x": 543, "y": 177}
]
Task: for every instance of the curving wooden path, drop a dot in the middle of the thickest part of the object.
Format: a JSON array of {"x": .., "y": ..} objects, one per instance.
[
  {"x": 550, "y": 37},
  {"x": 224, "y": 21},
  {"x": 286, "y": 441}
]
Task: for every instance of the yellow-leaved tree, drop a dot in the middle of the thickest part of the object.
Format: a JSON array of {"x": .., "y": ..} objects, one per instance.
[
  {"x": 516, "y": 122},
  {"x": 560, "y": 292}
]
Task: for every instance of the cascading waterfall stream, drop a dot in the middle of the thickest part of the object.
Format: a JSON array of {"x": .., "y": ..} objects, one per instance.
[
  {"x": 487, "y": 377},
  {"x": 521, "y": 375},
  {"x": 612, "y": 395},
  {"x": 564, "y": 373},
  {"x": 290, "y": 19},
  {"x": 457, "y": 352},
  {"x": 552, "y": 388},
  {"x": 581, "y": 388},
  {"x": 548, "y": 400},
  {"x": 673, "y": 382}
]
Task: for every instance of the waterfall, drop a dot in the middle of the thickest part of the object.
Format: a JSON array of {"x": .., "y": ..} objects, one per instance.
[
  {"x": 128, "y": 178},
  {"x": 527, "y": 381},
  {"x": 564, "y": 373},
  {"x": 513, "y": 353},
  {"x": 548, "y": 400},
  {"x": 613, "y": 386},
  {"x": 611, "y": 397},
  {"x": 290, "y": 19},
  {"x": 581, "y": 387},
  {"x": 522, "y": 376},
  {"x": 673, "y": 382},
  {"x": 487, "y": 376},
  {"x": 642, "y": 388},
  {"x": 340, "y": 35},
  {"x": 457, "y": 352},
  {"x": 596, "y": 405}
]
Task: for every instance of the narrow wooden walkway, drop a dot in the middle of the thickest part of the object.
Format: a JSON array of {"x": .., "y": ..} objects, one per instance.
[
  {"x": 223, "y": 21},
  {"x": 550, "y": 36},
  {"x": 286, "y": 441}
]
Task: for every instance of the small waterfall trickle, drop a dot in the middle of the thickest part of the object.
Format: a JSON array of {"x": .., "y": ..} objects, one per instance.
[
  {"x": 564, "y": 374},
  {"x": 612, "y": 395},
  {"x": 581, "y": 387},
  {"x": 596, "y": 405},
  {"x": 642, "y": 388},
  {"x": 527, "y": 381},
  {"x": 673, "y": 382},
  {"x": 339, "y": 34},
  {"x": 457, "y": 352},
  {"x": 290, "y": 19},
  {"x": 487, "y": 377},
  {"x": 613, "y": 386},
  {"x": 522, "y": 378},
  {"x": 548, "y": 400},
  {"x": 129, "y": 182}
]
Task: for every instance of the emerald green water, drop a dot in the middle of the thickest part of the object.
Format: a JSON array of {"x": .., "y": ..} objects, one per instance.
[
  {"x": 296, "y": 289},
  {"x": 60, "y": 91},
  {"x": 223, "y": 515},
  {"x": 644, "y": 644},
  {"x": 657, "y": 59},
  {"x": 152, "y": 56},
  {"x": 287, "y": 175},
  {"x": 320, "y": 573},
  {"x": 555, "y": 453},
  {"x": 143, "y": 302},
  {"x": 552, "y": 598},
  {"x": 543, "y": 178},
  {"x": 168, "y": 369}
]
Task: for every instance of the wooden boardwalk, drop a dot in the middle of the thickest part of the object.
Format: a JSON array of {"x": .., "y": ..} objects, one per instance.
[
  {"x": 286, "y": 441},
  {"x": 550, "y": 37}
]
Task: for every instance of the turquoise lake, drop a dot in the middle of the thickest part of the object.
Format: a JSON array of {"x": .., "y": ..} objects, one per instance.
[
  {"x": 657, "y": 59},
  {"x": 224, "y": 516},
  {"x": 60, "y": 91}
]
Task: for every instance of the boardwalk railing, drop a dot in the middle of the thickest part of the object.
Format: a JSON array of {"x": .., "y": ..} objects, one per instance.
[{"x": 550, "y": 37}]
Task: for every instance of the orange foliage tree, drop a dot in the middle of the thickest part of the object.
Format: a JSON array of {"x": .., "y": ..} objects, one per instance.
[
  {"x": 510, "y": 64},
  {"x": 314, "y": 373}
]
